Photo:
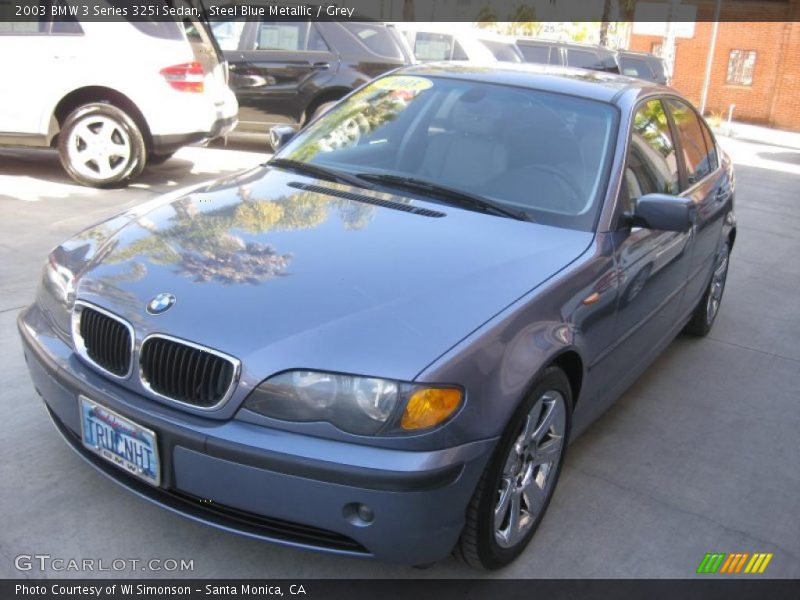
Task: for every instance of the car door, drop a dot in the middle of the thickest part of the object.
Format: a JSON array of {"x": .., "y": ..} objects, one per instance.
[
  {"x": 38, "y": 58},
  {"x": 653, "y": 265},
  {"x": 275, "y": 61},
  {"x": 708, "y": 187}
]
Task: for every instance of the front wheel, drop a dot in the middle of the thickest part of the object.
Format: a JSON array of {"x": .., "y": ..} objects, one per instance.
[
  {"x": 705, "y": 313},
  {"x": 515, "y": 489},
  {"x": 101, "y": 146}
]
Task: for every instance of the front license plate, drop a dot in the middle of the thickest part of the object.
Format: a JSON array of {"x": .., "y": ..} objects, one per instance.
[{"x": 120, "y": 441}]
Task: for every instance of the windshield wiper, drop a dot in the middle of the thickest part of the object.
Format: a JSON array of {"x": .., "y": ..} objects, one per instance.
[
  {"x": 445, "y": 193},
  {"x": 318, "y": 171}
]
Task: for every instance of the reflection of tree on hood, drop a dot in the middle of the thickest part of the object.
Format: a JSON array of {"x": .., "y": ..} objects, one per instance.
[{"x": 209, "y": 245}]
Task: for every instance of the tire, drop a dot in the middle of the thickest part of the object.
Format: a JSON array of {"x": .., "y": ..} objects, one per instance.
[
  {"x": 485, "y": 544},
  {"x": 706, "y": 311},
  {"x": 322, "y": 109},
  {"x": 101, "y": 146},
  {"x": 159, "y": 159}
]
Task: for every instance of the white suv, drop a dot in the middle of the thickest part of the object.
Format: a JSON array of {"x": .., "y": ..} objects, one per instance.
[{"x": 112, "y": 96}]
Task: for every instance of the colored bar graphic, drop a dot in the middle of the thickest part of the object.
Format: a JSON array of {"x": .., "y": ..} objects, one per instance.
[
  {"x": 711, "y": 562},
  {"x": 720, "y": 562}
]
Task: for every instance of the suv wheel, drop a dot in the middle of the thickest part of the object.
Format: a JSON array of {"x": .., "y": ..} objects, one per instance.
[
  {"x": 322, "y": 109},
  {"x": 515, "y": 489},
  {"x": 100, "y": 145}
]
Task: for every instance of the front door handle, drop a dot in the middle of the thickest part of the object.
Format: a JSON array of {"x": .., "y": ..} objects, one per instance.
[
  {"x": 723, "y": 194},
  {"x": 321, "y": 65}
]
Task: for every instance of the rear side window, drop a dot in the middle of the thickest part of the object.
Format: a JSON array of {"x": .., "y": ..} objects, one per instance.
[
  {"x": 636, "y": 67},
  {"x": 651, "y": 165},
  {"x": 657, "y": 65},
  {"x": 375, "y": 38},
  {"x": 458, "y": 52},
  {"x": 585, "y": 59},
  {"x": 713, "y": 159},
  {"x": 502, "y": 51},
  {"x": 228, "y": 33},
  {"x": 433, "y": 46},
  {"x": 535, "y": 54},
  {"x": 693, "y": 145},
  {"x": 290, "y": 36}
]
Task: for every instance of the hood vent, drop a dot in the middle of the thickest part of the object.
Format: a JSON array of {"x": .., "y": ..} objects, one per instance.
[{"x": 423, "y": 212}]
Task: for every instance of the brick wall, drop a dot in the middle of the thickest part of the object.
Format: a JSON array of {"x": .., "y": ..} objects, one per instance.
[{"x": 774, "y": 96}]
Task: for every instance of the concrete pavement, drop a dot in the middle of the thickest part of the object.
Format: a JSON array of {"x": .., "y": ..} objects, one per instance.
[{"x": 700, "y": 455}]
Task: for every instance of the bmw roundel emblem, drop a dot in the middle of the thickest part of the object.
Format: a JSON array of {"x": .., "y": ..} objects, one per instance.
[{"x": 161, "y": 303}]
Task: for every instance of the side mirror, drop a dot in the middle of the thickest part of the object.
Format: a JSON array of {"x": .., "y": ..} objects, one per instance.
[
  {"x": 279, "y": 136},
  {"x": 664, "y": 212}
]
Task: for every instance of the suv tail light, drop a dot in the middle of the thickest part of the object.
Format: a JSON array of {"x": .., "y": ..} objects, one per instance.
[{"x": 186, "y": 77}]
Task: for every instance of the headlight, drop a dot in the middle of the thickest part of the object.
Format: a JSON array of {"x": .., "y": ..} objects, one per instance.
[
  {"x": 361, "y": 405},
  {"x": 60, "y": 281},
  {"x": 56, "y": 294}
]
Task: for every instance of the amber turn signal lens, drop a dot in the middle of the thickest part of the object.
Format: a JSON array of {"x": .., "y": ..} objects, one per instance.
[{"x": 430, "y": 406}]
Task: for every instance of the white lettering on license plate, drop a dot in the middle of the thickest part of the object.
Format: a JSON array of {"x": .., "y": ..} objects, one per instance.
[{"x": 120, "y": 441}]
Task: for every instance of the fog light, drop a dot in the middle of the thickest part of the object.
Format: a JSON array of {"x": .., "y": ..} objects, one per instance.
[
  {"x": 430, "y": 406},
  {"x": 358, "y": 514},
  {"x": 365, "y": 513}
]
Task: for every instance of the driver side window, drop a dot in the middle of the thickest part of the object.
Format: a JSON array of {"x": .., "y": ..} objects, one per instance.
[{"x": 651, "y": 165}]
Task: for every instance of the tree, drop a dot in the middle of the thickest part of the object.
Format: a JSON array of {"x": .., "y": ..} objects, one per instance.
[
  {"x": 408, "y": 10},
  {"x": 523, "y": 22},
  {"x": 486, "y": 17},
  {"x": 605, "y": 23}
]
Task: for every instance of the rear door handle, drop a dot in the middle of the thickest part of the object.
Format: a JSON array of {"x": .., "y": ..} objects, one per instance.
[
  {"x": 321, "y": 65},
  {"x": 723, "y": 194}
]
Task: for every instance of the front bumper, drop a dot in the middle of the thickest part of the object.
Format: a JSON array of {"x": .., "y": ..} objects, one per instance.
[{"x": 267, "y": 484}]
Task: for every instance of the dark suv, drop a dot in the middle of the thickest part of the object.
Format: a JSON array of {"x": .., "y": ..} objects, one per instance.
[
  {"x": 585, "y": 56},
  {"x": 285, "y": 72},
  {"x": 642, "y": 65}
]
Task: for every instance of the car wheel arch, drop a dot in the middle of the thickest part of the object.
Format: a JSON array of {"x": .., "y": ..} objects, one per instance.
[
  {"x": 569, "y": 360},
  {"x": 89, "y": 94},
  {"x": 323, "y": 96}
]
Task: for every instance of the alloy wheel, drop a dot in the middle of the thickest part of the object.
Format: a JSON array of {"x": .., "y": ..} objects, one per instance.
[
  {"x": 98, "y": 147},
  {"x": 717, "y": 285},
  {"x": 530, "y": 469}
]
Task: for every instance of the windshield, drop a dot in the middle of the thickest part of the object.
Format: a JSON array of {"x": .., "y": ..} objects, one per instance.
[{"x": 535, "y": 152}]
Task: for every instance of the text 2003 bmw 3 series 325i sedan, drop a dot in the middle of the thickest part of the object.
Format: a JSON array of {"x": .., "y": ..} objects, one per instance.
[{"x": 379, "y": 343}]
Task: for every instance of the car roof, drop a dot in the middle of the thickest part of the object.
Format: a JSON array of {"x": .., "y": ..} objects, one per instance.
[
  {"x": 595, "y": 85},
  {"x": 638, "y": 54},
  {"x": 564, "y": 44}
]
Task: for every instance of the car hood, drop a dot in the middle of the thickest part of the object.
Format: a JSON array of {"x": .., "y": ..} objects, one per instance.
[{"x": 283, "y": 277}]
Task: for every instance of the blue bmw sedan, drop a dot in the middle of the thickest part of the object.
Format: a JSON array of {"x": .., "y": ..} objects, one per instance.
[{"x": 380, "y": 342}]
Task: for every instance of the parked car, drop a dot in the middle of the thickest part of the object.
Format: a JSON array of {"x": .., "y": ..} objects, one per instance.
[
  {"x": 288, "y": 72},
  {"x": 503, "y": 48},
  {"x": 584, "y": 56},
  {"x": 379, "y": 343},
  {"x": 643, "y": 66},
  {"x": 433, "y": 42},
  {"x": 112, "y": 97}
]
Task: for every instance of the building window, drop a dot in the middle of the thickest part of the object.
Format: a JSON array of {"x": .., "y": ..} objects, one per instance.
[
  {"x": 656, "y": 48},
  {"x": 740, "y": 67}
]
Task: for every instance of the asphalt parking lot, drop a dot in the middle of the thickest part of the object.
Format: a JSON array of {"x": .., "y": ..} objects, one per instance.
[{"x": 700, "y": 455}]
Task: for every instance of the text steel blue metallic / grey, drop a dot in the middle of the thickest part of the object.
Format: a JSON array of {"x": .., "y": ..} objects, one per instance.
[{"x": 379, "y": 343}]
